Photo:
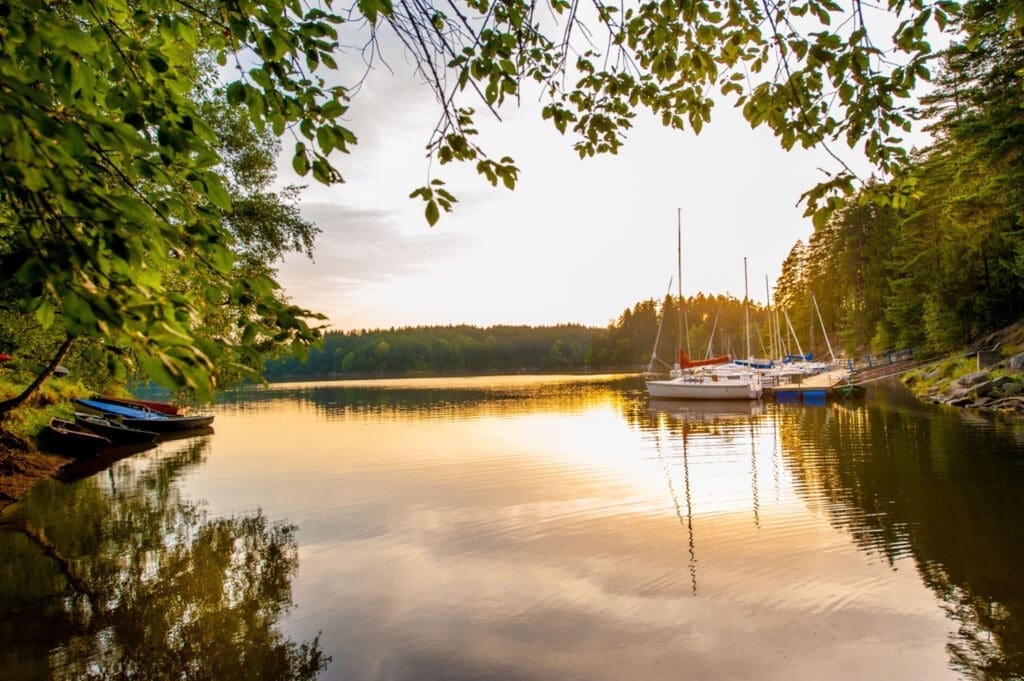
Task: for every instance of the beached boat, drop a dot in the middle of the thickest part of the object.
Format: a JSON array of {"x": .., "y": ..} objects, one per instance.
[
  {"x": 707, "y": 386},
  {"x": 69, "y": 438},
  {"x": 159, "y": 407},
  {"x": 114, "y": 430},
  {"x": 142, "y": 417}
]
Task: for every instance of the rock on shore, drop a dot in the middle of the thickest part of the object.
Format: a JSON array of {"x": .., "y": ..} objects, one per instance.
[{"x": 999, "y": 387}]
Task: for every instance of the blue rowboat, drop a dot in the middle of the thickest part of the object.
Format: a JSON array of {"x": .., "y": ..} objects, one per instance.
[{"x": 143, "y": 418}]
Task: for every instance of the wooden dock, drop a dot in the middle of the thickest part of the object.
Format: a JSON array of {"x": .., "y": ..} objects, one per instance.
[{"x": 812, "y": 388}]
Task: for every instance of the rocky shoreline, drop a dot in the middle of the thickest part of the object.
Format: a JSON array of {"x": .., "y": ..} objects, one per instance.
[{"x": 997, "y": 385}]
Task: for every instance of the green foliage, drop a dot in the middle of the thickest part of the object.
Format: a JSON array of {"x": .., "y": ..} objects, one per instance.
[
  {"x": 442, "y": 349},
  {"x": 882, "y": 340},
  {"x": 812, "y": 72},
  {"x": 946, "y": 267},
  {"x": 112, "y": 187},
  {"x": 939, "y": 326}
]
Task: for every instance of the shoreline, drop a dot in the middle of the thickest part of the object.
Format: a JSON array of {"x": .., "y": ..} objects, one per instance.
[
  {"x": 22, "y": 465},
  {"x": 361, "y": 376}
]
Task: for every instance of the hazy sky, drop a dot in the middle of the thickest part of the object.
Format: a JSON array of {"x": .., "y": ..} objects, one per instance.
[{"x": 577, "y": 241}]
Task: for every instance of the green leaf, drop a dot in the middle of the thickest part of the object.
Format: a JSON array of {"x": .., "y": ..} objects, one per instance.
[
  {"x": 217, "y": 194},
  {"x": 236, "y": 92},
  {"x": 45, "y": 314},
  {"x": 431, "y": 212},
  {"x": 300, "y": 162}
]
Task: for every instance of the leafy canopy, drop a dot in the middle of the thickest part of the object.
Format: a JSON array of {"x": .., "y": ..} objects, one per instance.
[
  {"x": 113, "y": 191},
  {"x": 112, "y": 188}
]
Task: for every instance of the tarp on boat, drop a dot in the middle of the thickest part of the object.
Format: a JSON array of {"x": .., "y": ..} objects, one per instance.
[
  {"x": 686, "y": 363},
  {"x": 799, "y": 358},
  {"x": 122, "y": 410}
]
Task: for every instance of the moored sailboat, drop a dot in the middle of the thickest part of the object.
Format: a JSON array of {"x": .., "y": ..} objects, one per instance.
[
  {"x": 707, "y": 386},
  {"x": 696, "y": 379}
]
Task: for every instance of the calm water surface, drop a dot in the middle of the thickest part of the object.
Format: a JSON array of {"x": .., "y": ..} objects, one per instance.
[{"x": 528, "y": 528}]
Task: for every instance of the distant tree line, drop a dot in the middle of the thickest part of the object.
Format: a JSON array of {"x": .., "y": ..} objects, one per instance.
[
  {"x": 626, "y": 343},
  {"x": 949, "y": 265}
]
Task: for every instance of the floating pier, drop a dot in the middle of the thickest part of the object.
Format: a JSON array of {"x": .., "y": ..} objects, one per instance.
[{"x": 814, "y": 389}]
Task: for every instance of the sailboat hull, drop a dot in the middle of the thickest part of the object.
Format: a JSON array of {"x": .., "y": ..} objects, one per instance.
[{"x": 684, "y": 388}]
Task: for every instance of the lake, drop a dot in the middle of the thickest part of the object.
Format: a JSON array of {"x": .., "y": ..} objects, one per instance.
[{"x": 529, "y": 527}]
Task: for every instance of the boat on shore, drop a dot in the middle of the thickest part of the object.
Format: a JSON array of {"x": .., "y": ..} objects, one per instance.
[
  {"x": 143, "y": 418},
  {"x": 66, "y": 437},
  {"x": 114, "y": 430},
  {"x": 159, "y": 407}
]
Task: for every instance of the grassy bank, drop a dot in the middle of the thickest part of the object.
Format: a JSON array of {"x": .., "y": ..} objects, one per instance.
[{"x": 21, "y": 462}]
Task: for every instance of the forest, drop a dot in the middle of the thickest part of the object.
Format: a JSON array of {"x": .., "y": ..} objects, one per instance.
[
  {"x": 948, "y": 266},
  {"x": 709, "y": 324}
]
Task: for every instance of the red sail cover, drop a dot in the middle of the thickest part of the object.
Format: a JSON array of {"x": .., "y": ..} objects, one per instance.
[{"x": 686, "y": 363}]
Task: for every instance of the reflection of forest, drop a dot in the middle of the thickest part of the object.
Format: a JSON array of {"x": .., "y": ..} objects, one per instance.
[
  {"x": 339, "y": 399},
  {"x": 906, "y": 482},
  {"x": 136, "y": 582}
]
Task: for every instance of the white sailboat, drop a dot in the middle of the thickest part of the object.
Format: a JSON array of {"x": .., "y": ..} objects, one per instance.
[
  {"x": 700, "y": 385},
  {"x": 696, "y": 380}
]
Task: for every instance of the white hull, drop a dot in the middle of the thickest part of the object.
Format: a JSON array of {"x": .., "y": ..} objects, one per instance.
[{"x": 706, "y": 388}]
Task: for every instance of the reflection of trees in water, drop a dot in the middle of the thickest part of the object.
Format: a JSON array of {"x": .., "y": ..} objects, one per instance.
[
  {"x": 140, "y": 583},
  {"x": 339, "y": 400},
  {"x": 927, "y": 485}
]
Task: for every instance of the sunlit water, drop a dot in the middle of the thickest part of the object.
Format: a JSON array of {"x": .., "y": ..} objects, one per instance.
[{"x": 529, "y": 528}]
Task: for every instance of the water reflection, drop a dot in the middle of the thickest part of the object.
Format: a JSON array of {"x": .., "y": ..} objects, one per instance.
[
  {"x": 540, "y": 528},
  {"x": 119, "y": 576},
  {"x": 926, "y": 484},
  {"x": 444, "y": 398},
  {"x": 903, "y": 481}
]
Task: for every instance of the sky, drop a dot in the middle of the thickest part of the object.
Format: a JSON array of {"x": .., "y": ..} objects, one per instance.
[{"x": 577, "y": 241}]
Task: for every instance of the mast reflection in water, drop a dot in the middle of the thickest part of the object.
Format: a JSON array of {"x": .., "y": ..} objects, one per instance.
[{"x": 540, "y": 528}]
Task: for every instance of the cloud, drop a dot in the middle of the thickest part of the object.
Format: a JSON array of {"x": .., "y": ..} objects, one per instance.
[{"x": 360, "y": 248}]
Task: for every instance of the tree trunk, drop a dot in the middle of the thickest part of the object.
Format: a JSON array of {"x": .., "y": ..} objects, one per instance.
[{"x": 7, "y": 406}]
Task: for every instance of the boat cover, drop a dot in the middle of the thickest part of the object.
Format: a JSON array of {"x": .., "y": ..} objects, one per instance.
[
  {"x": 121, "y": 410},
  {"x": 798, "y": 358},
  {"x": 685, "y": 362}
]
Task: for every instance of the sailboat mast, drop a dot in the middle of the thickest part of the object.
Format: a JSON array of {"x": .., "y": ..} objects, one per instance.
[
  {"x": 795, "y": 339},
  {"x": 768, "y": 302},
  {"x": 823, "y": 330},
  {"x": 746, "y": 307},
  {"x": 657, "y": 337},
  {"x": 679, "y": 273}
]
